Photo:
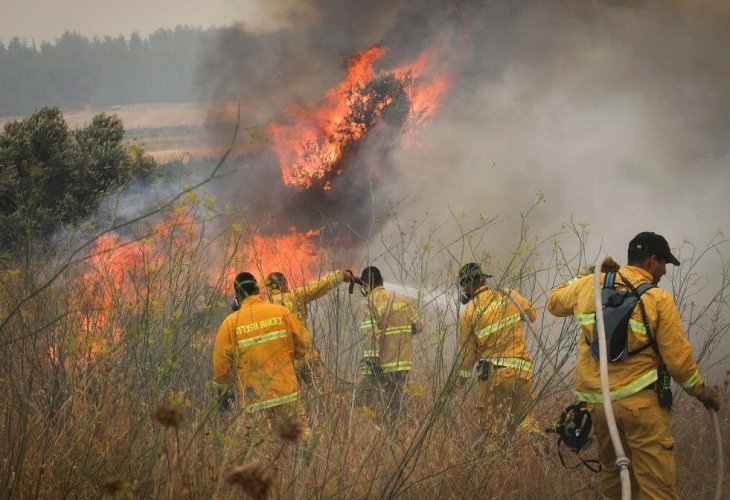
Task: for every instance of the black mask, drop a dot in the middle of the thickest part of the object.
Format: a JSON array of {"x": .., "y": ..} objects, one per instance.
[
  {"x": 465, "y": 297},
  {"x": 235, "y": 305},
  {"x": 363, "y": 291}
]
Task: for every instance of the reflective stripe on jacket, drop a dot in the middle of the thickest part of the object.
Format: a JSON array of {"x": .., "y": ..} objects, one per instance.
[
  {"x": 627, "y": 377},
  {"x": 490, "y": 328},
  {"x": 260, "y": 341},
  {"x": 388, "y": 323}
]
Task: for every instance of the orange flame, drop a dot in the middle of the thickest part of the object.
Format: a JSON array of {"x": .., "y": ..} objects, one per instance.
[
  {"x": 311, "y": 148},
  {"x": 118, "y": 277},
  {"x": 425, "y": 93},
  {"x": 124, "y": 276},
  {"x": 297, "y": 255}
]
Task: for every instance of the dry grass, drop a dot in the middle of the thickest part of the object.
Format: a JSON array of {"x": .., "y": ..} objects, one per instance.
[{"x": 126, "y": 408}]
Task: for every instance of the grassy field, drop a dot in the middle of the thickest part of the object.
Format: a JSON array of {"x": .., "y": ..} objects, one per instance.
[
  {"x": 106, "y": 387},
  {"x": 168, "y": 131}
]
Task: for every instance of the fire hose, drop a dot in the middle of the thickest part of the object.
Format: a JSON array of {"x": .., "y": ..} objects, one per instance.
[
  {"x": 622, "y": 461},
  {"x": 718, "y": 454}
]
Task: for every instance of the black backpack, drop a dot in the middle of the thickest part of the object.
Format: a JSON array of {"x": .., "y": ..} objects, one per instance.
[{"x": 617, "y": 308}]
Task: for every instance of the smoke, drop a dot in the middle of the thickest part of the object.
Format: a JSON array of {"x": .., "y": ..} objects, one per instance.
[
  {"x": 618, "y": 115},
  {"x": 616, "y": 111}
]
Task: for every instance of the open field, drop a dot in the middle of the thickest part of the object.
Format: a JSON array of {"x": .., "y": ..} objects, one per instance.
[{"x": 169, "y": 131}]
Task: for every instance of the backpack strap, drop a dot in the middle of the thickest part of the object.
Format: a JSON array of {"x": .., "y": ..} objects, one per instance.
[
  {"x": 639, "y": 291},
  {"x": 592, "y": 465},
  {"x": 609, "y": 281}
]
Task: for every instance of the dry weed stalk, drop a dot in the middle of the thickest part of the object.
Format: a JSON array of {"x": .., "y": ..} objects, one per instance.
[{"x": 72, "y": 425}]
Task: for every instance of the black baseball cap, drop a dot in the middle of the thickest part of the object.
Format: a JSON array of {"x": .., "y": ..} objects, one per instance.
[{"x": 653, "y": 244}]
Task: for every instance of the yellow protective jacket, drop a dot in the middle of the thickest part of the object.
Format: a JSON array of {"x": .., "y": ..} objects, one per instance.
[
  {"x": 389, "y": 320},
  {"x": 638, "y": 371},
  {"x": 296, "y": 300},
  {"x": 260, "y": 341},
  {"x": 491, "y": 329}
]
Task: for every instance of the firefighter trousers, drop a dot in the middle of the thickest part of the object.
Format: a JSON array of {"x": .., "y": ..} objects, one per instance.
[
  {"x": 646, "y": 435},
  {"x": 504, "y": 403},
  {"x": 385, "y": 390}
]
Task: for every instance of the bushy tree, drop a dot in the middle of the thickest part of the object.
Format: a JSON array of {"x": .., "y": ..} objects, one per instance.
[{"x": 50, "y": 174}]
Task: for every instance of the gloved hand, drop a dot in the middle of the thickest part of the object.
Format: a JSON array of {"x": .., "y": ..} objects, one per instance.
[
  {"x": 607, "y": 265},
  {"x": 225, "y": 401},
  {"x": 710, "y": 397},
  {"x": 347, "y": 276}
]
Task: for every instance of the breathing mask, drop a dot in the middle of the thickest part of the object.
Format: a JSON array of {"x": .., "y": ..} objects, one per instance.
[
  {"x": 239, "y": 284},
  {"x": 470, "y": 275}
]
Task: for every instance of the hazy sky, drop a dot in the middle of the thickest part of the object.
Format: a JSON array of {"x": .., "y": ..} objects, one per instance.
[{"x": 48, "y": 19}]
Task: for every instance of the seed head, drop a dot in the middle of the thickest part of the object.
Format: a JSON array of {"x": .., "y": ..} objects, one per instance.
[
  {"x": 112, "y": 485},
  {"x": 168, "y": 416},
  {"x": 290, "y": 429},
  {"x": 252, "y": 479}
]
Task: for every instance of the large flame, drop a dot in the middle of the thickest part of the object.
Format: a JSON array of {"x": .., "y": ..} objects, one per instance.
[
  {"x": 119, "y": 276},
  {"x": 296, "y": 254},
  {"x": 312, "y": 143},
  {"x": 123, "y": 277}
]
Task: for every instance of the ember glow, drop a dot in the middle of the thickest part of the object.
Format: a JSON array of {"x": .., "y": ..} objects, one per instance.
[{"x": 312, "y": 143}]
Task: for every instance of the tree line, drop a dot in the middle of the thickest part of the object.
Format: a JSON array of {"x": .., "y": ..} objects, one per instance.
[{"x": 75, "y": 71}]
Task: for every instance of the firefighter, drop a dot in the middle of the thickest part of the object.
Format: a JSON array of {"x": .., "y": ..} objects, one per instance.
[
  {"x": 296, "y": 301},
  {"x": 388, "y": 322},
  {"x": 658, "y": 345},
  {"x": 491, "y": 336},
  {"x": 254, "y": 355}
]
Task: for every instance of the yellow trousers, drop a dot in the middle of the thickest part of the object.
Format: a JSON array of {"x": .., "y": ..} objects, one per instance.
[
  {"x": 385, "y": 391},
  {"x": 291, "y": 412},
  {"x": 504, "y": 402},
  {"x": 646, "y": 435}
]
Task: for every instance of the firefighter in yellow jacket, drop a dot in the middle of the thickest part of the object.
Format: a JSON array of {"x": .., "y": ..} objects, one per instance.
[
  {"x": 491, "y": 336},
  {"x": 255, "y": 350},
  {"x": 388, "y": 322},
  {"x": 296, "y": 301},
  {"x": 655, "y": 340}
]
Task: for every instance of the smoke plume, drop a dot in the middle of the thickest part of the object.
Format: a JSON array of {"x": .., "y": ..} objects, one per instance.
[{"x": 616, "y": 111}]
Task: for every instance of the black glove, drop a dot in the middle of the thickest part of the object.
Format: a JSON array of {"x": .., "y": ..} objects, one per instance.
[
  {"x": 348, "y": 276},
  {"x": 225, "y": 401},
  {"x": 710, "y": 397}
]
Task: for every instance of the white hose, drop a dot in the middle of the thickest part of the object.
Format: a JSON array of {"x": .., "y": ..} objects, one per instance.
[
  {"x": 622, "y": 461},
  {"x": 718, "y": 454}
]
